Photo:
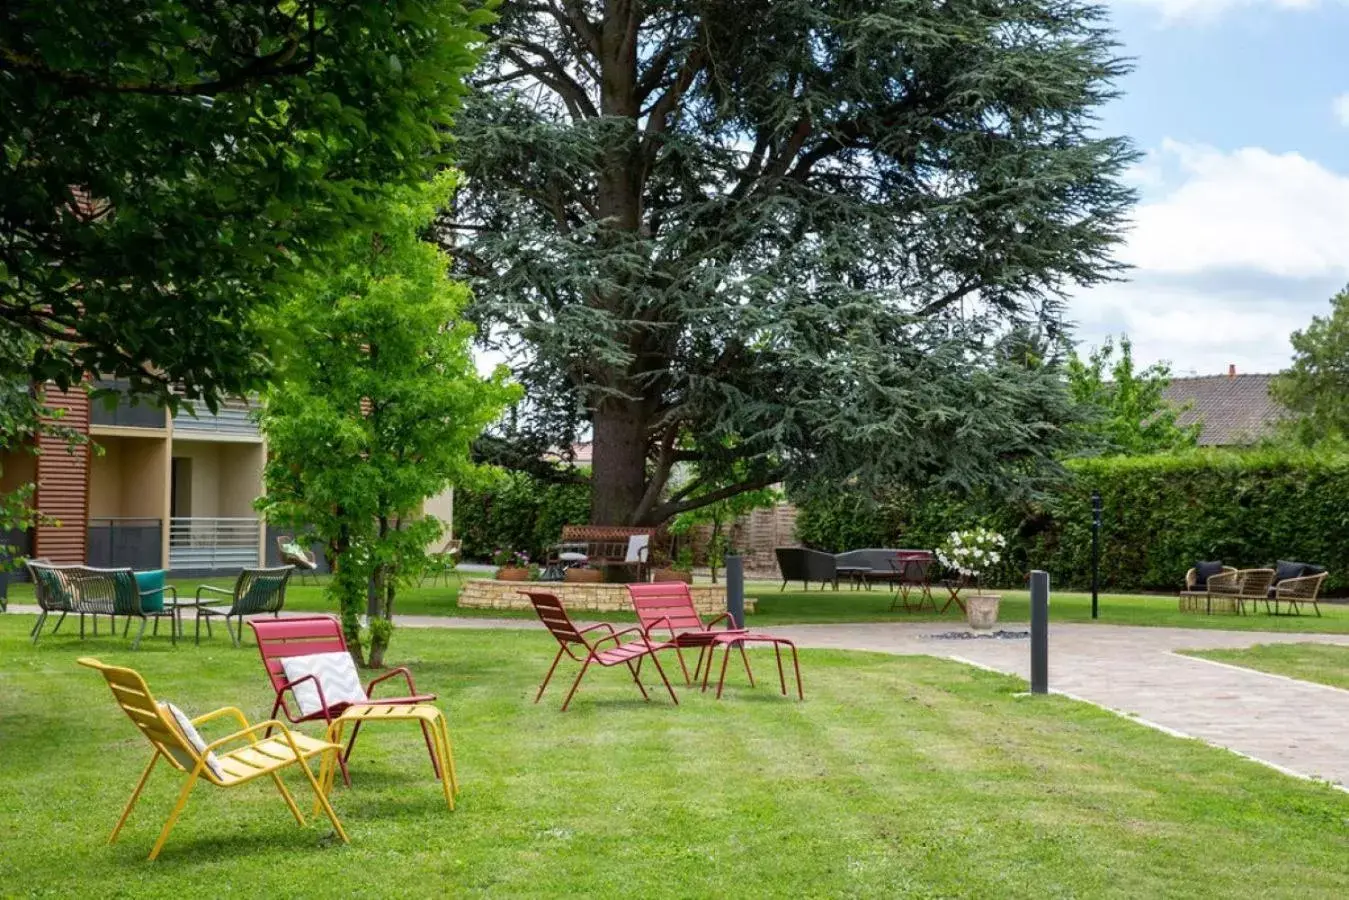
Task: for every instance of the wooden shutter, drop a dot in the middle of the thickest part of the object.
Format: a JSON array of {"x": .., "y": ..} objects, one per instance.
[{"x": 63, "y": 483}]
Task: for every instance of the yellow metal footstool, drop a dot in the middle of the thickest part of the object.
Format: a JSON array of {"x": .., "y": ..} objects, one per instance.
[{"x": 426, "y": 715}]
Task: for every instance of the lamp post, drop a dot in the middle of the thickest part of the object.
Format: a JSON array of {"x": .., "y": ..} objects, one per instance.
[{"x": 1095, "y": 553}]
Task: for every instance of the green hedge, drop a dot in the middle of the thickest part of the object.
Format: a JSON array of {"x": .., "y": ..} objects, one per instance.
[
  {"x": 1162, "y": 514},
  {"x": 517, "y": 512}
]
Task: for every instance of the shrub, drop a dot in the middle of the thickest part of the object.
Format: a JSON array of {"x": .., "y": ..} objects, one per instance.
[
  {"x": 1162, "y": 514},
  {"x": 518, "y": 511}
]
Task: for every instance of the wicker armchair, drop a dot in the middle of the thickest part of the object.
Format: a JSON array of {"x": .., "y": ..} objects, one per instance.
[
  {"x": 1235, "y": 589},
  {"x": 256, "y": 592},
  {"x": 1295, "y": 592},
  {"x": 1195, "y": 597},
  {"x": 54, "y": 593}
]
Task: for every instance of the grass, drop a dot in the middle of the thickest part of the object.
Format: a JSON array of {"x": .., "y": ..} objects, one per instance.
[
  {"x": 815, "y": 606},
  {"x": 899, "y": 776},
  {"x": 1323, "y": 663}
]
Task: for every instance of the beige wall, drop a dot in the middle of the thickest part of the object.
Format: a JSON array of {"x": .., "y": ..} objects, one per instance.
[
  {"x": 226, "y": 477},
  {"x": 442, "y": 507},
  {"x": 127, "y": 479},
  {"x": 16, "y": 470}
]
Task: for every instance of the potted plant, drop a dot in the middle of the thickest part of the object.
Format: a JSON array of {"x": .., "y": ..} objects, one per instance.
[
  {"x": 972, "y": 553},
  {"x": 582, "y": 575},
  {"x": 512, "y": 565},
  {"x": 662, "y": 569}
]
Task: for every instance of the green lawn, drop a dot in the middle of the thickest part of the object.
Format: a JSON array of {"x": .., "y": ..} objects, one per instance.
[
  {"x": 1324, "y": 663},
  {"x": 795, "y": 607},
  {"x": 899, "y": 776}
]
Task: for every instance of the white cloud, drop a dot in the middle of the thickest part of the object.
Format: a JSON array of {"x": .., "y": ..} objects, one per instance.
[
  {"x": 1340, "y": 105},
  {"x": 1232, "y": 251},
  {"x": 1207, "y": 10}
]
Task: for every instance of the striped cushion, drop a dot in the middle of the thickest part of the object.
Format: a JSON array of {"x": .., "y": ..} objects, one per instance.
[
  {"x": 189, "y": 731},
  {"x": 335, "y": 672}
]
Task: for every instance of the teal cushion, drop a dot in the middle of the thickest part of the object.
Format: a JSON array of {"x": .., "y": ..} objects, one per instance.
[{"x": 151, "y": 581}]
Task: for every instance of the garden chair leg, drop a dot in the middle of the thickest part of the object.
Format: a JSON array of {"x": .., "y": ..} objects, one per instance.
[
  {"x": 290, "y": 801},
  {"x": 430, "y": 748},
  {"x": 725, "y": 658},
  {"x": 135, "y": 795},
  {"x": 549, "y": 676},
  {"x": 577, "y": 683},
  {"x": 784, "y": 586},
  {"x": 660, "y": 670},
  {"x": 744, "y": 657},
  {"x": 635, "y": 677},
  {"x": 140, "y": 634},
  {"x": 177, "y": 811},
  {"x": 233, "y": 636},
  {"x": 782, "y": 679},
  {"x": 58, "y": 621},
  {"x": 37, "y": 628}
]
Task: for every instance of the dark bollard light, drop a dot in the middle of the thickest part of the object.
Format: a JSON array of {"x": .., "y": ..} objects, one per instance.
[
  {"x": 735, "y": 588},
  {"x": 1039, "y": 632}
]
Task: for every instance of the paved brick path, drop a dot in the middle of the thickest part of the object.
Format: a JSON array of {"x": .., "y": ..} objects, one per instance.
[{"x": 1297, "y": 726}]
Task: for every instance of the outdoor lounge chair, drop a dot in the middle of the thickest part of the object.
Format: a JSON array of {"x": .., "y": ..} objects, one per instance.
[
  {"x": 805, "y": 565},
  {"x": 668, "y": 606},
  {"x": 176, "y": 740},
  {"x": 572, "y": 640},
  {"x": 1296, "y": 589},
  {"x": 291, "y": 553},
  {"x": 256, "y": 592},
  {"x": 1236, "y": 589},
  {"x": 279, "y": 639},
  {"x": 1194, "y": 597},
  {"x": 443, "y": 564},
  {"x": 115, "y": 592},
  {"x": 54, "y": 593}
]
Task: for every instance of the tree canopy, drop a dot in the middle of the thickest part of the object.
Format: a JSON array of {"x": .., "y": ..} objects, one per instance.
[
  {"x": 787, "y": 239},
  {"x": 168, "y": 168},
  {"x": 1315, "y": 388},
  {"x": 1125, "y": 410},
  {"x": 374, "y": 405}
]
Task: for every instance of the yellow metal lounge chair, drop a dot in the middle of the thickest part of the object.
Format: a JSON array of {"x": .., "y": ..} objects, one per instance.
[{"x": 176, "y": 740}]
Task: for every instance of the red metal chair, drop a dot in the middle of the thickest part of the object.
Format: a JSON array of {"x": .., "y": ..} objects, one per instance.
[
  {"x": 554, "y": 617},
  {"x": 669, "y": 605},
  {"x": 912, "y": 572},
  {"x": 303, "y": 635}
]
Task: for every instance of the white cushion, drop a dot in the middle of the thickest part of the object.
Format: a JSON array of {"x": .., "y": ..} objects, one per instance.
[
  {"x": 189, "y": 731},
  {"x": 335, "y": 672},
  {"x": 638, "y": 544}
]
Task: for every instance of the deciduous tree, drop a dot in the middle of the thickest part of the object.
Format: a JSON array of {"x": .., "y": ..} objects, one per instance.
[
  {"x": 1315, "y": 388},
  {"x": 373, "y": 407},
  {"x": 1124, "y": 408}
]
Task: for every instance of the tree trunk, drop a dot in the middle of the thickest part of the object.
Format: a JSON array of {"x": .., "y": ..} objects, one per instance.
[{"x": 618, "y": 473}]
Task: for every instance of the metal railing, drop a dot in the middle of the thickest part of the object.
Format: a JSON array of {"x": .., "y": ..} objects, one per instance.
[
  {"x": 234, "y": 417},
  {"x": 142, "y": 414},
  {"x": 197, "y": 542}
]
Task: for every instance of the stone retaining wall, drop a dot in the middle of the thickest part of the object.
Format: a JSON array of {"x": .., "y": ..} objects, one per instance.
[{"x": 710, "y": 599}]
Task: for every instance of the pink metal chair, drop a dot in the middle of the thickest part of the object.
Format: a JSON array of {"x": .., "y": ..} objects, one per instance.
[
  {"x": 571, "y": 640},
  {"x": 303, "y": 635},
  {"x": 669, "y": 605},
  {"x": 912, "y": 574}
]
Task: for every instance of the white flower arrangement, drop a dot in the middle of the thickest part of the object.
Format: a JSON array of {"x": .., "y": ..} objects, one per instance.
[{"x": 972, "y": 552}]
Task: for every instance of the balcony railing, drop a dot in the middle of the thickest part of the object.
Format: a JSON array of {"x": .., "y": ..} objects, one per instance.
[
  {"x": 234, "y": 418},
  {"x": 213, "y": 543},
  {"x": 125, "y": 541},
  {"x": 125, "y": 414}
]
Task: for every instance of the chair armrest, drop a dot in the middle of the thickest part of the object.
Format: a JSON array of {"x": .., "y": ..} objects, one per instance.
[
  {"x": 646, "y": 632},
  {"x": 214, "y": 590},
  {"x": 318, "y": 686},
  {"x": 401, "y": 670},
  {"x": 1303, "y": 583},
  {"x": 730, "y": 622},
  {"x": 1190, "y": 577},
  {"x": 1224, "y": 581},
  {"x": 223, "y": 711},
  {"x": 596, "y": 625},
  {"x": 253, "y": 729},
  {"x": 618, "y": 634}
]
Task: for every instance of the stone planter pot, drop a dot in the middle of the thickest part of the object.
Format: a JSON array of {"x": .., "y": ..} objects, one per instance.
[
  {"x": 512, "y": 573},
  {"x": 671, "y": 575},
  {"x": 583, "y": 576},
  {"x": 981, "y": 611}
]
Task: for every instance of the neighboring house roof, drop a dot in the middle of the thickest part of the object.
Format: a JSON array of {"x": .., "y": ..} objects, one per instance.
[{"x": 1234, "y": 409}]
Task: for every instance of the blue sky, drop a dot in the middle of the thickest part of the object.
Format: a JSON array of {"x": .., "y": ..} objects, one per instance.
[{"x": 1242, "y": 232}]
